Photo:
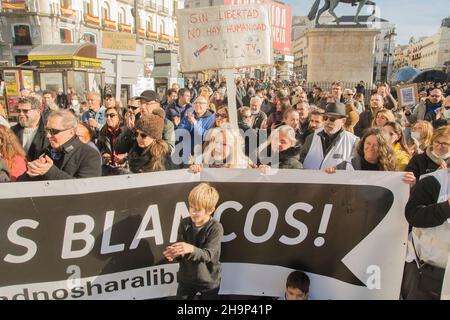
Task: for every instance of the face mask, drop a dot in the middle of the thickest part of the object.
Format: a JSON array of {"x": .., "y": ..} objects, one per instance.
[
  {"x": 443, "y": 157},
  {"x": 447, "y": 113},
  {"x": 415, "y": 135}
]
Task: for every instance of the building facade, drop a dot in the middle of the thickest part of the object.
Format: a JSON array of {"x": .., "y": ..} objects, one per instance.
[
  {"x": 27, "y": 24},
  {"x": 431, "y": 52}
]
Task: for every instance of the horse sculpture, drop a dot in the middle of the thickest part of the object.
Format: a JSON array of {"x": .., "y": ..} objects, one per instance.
[{"x": 330, "y": 5}]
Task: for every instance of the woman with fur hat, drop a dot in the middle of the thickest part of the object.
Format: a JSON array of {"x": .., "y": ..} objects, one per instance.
[{"x": 150, "y": 152}]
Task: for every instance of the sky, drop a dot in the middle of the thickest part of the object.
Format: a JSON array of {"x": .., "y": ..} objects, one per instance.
[{"x": 412, "y": 17}]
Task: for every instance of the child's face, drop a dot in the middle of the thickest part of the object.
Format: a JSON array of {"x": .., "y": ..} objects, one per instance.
[
  {"x": 295, "y": 294},
  {"x": 199, "y": 216}
]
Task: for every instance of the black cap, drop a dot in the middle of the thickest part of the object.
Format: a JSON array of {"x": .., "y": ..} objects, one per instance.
[
  {"x": 336, "y": 109},
  {"x": 148, "y": 95}
]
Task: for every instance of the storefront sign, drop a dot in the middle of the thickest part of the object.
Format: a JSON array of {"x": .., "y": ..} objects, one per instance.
[{"x": 118, "y": 41}]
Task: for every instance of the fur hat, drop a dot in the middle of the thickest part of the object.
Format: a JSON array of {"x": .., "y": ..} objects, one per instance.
[{"x": 153, "y": 124}]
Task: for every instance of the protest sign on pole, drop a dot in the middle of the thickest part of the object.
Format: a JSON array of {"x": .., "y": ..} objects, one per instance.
[
  {"x": 224, "y": 37},
  {"x": 103, "y": 238}
]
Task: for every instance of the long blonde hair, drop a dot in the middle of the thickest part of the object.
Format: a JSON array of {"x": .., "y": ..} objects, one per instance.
[{"x": 237, "y": 158}]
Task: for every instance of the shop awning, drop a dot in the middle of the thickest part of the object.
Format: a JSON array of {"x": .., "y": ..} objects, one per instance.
[{"x": 82, "y": 55}]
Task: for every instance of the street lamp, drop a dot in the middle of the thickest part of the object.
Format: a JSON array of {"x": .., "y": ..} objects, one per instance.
[{"x": 391, "y": 33}]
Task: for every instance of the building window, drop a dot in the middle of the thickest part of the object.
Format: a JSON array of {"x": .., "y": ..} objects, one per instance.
[
  {"x": 122, "y": 16},
  {"x": 162, "y": 27},
  {"x": 66, "y": 35},
  {"x": 66, "y": 3},
  {"x": 22, "y": 35},
  {"x": 88, "y": 37},
  {"x": 105, "y": 11},
  {"x": 88, "y": 7},
  {"x": 149, "y": 24}
]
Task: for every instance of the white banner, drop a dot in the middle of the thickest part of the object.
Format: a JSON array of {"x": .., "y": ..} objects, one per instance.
[
  {"x": 224, "y": 37},
  {"x": 78, "y": 239}
]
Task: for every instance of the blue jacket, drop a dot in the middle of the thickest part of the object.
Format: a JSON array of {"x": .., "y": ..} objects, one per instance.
[
  {"x": 197, "y": 132},
  {"x": 99, "y": 117},
  {"x": 175, "y": 110}
]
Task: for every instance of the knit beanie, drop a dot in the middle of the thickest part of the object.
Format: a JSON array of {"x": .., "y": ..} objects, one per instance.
[{"x": 153, "y": 124}]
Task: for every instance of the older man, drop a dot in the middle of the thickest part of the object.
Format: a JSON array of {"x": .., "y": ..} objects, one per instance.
[
  {"x": 258, "y": 116},
  {"x": 197, "y": 123},
  {"x": 95, "y": 116},
  {"x": 31, "y": 128},
  {"x": 366, "y": 117},
  {"x": 333, "y": 144},
  {"x": 66, "y": 157}
]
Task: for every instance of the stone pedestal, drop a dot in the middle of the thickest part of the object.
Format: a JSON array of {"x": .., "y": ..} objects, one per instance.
[{"x": 340, "y": 54}]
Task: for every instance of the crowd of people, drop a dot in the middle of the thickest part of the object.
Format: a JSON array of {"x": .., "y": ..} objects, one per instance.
[{"x": 280, "y": 125}]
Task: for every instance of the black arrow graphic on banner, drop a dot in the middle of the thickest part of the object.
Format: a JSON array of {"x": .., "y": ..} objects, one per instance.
[{"x": 315, "y": 239}]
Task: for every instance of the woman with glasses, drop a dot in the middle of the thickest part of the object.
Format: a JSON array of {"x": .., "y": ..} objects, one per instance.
[
  {"x": 150, "y": 152},
  {"x": 436, "y": 155},
  {"x": 12, "y": 153},
  {"x": 402, "y": 154},
  {"x": 222, "y": 117},
  {"x": 113, "y": 162}
]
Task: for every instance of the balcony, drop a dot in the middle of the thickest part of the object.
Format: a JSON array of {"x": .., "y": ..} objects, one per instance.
[
  {"x": 150, "y": 5},
  {"x": 92, "y": 20},
  {"x": 125, "y": 27},
  {"x": 110, "y": 24},
  {"x": 68, "y": 12},
  {"x": 152, "y": 35},
  {"x": 164, "y": 38},
  {"x": 16, "y": 6}
]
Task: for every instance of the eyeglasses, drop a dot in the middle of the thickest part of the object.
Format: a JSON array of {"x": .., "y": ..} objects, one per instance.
[
  {"x": 221, "y": 115},
  {"x": 133, "y": 107},
  {"x": 331, "y": 119},
  {"x": 54, "y": 132},
  {"x": 140, "y": 134},
  {"x": 442, "y": 144},
  {"x": 111, "y": 115},
  {"x": 24, "y": 111},
  {"x": 435, "y": 96}
]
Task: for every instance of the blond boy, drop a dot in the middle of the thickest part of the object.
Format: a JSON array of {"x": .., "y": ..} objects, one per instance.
[{"x": 198, "y": 246}]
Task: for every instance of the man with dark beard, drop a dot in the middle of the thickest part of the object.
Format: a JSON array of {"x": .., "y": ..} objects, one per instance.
[{"x": 31, "y": 129}]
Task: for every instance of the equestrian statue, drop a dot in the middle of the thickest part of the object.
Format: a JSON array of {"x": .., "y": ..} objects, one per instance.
[{"x": 330, "y": 5}]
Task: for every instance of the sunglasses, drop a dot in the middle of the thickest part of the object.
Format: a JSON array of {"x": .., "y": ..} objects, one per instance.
[
  {"x": 331, "y": 119},
  {"x": 111, "y": 115},
  {"x": 221, "y": 115},
  {"x": 140, "y": 134},
  {"x": 133, "y": 107},
  {"x": 54, "y": 132}
]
